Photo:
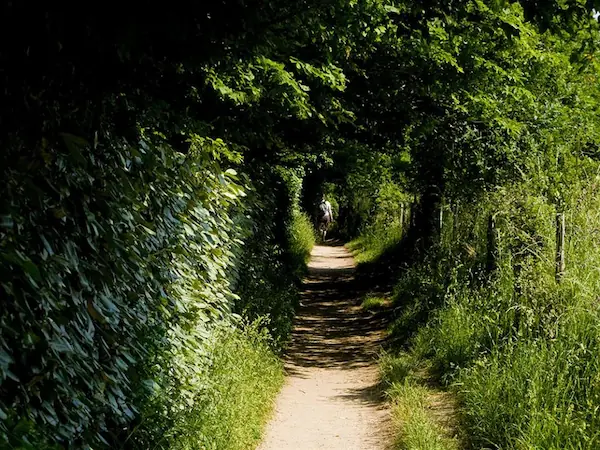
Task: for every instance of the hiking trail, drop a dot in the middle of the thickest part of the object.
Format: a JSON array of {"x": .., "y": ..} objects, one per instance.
[{"x": 331, "y": 398}]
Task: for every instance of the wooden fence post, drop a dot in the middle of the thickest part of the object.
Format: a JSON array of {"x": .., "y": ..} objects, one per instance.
[
  {"x": 560, "y": 246},
  {"x": 402, "y": 217},
  {"x": 492, "y": 245}
]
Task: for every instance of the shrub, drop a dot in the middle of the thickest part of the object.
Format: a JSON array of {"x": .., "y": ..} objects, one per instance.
[
  {"x": 100, "y": 273},
  {"x": 113, "y": 283}
]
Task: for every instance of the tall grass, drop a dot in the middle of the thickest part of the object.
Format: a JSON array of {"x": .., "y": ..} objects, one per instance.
[
  {"x": 412, "y": 404},
  {"x": 243, "y": 381},
  {"x": 375, "y": 240},
  {"x": 373, "y": 302},
  {"x": 228, "y": 402},
  {"x": 382, "y": 225},
  {"x": 521, "y": 351}
]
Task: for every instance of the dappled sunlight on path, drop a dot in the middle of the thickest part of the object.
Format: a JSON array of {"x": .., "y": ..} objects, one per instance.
[{"x": 331, "y": 398}]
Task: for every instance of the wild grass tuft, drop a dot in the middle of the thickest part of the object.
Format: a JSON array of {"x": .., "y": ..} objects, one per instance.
[
  {"x": 412, "y": 406},
  {"x": 301, "y": 240},
  {"x": 373, "y": 302}
]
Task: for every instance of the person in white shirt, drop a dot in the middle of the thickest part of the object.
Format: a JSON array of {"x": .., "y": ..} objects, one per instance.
[{"x": 324, "y": 217}]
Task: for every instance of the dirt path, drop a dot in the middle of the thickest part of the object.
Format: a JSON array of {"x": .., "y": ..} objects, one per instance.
[{"x": 331, "y": 399}]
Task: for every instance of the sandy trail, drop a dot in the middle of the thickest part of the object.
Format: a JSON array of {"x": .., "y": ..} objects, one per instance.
[{"x": 330, "y": 399}]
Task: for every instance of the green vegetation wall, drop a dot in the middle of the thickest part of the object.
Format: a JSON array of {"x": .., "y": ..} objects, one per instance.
[
  {"x": 117, "y": 266},
  {"x": 140, "y": 241},
  {"x": 499, "y": 113}
]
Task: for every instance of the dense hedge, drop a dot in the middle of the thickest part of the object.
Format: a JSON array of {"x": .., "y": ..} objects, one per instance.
[
  {"x": 121, "y": 264},
  {"x": 127, "y": 236}
]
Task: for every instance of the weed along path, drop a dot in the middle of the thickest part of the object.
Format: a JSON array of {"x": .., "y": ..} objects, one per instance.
[{"x": 331, "y": 398}]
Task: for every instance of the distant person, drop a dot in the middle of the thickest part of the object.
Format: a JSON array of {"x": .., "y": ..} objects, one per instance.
[{"x": 324, "y": 217}]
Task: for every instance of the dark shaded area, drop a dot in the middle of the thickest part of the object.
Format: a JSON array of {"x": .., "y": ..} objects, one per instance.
[
  {"x": 420, "y": 239},
  {"x": 370, "y": 395},
  {"x": 331, "y": 330}
]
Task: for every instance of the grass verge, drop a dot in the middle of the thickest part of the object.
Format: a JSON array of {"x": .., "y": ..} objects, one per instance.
[
  {"x": 226, "y": 404},
  {"x": 245, "y": 378},
  {"x": 375, "y": 241},
  {"x": 424, "y": 416}
]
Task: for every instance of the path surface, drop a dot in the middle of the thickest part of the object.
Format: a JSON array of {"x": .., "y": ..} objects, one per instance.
[{"x": 331, "y": 399}]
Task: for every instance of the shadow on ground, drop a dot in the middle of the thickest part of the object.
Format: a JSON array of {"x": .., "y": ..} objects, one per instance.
[
  {"x": 332, "y": 398},
  {"x": 331, "y": 330}
]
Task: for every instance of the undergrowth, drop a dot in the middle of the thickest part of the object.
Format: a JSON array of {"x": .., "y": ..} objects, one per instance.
[
  {"x": 301, "y": 239},
  {"x": 374, "y": 242},
  {"x": 216, "y": 390},
  {"x": 412, "y": 404},
  {"x": 382, "y": 222},
  {"x": 243, "y": 381},
  {"x": 377, "y": 239},
  {"x": 230, "y": 399},
  {"x": 519, "y": 349}
]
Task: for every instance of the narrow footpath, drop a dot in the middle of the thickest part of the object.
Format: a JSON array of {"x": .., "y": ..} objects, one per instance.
[{"x": 331, "y": 398}]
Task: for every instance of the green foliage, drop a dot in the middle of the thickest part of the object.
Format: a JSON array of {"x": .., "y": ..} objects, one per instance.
[
  {"x": 373, "y": 303},
  {"x": 231, "y": 397},
  {"x": 419, "y": 429},
  {"x": 124, "y": 224},
  {"x": 243, "y": 380},
  {"x": 490, "y": 134},
  {"x": 135, "y": 348},
  {"x": 103, "y": 282},
  {"x": 545, "y": 388},
  {"x": 150, "y": 190},
  {"x": 384, "y": 224},
  {"x": 274, "y": 255},
  {"x": 518, "y": 348},
  {"x": 536, "y": 365},
  {"x": 412, "y": 403},
  {"x": 301, "y": 238}
]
